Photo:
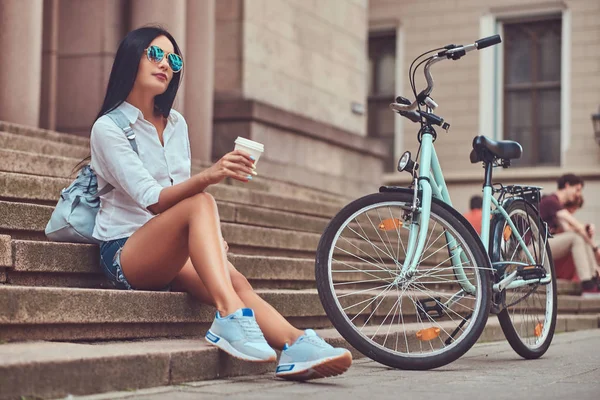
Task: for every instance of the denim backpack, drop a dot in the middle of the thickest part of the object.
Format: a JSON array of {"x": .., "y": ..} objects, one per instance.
[{"x": 74, "y": 217}]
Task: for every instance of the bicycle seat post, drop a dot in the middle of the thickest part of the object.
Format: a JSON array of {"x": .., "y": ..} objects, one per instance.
[{"x": 487, "y": 203}]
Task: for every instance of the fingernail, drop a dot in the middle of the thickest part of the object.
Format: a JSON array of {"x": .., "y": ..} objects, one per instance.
[
  {"x": 254, "y": 173},
  {"x": 253, "y": 166},
  {"x": 252, "y": 158},
  {"x": 249, "y": 177}
]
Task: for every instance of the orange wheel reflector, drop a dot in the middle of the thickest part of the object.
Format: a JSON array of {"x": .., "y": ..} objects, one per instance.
[
  {"x": 538, "y": 329},
  {"x": 507, "y": 233},
  {"x": 428, "y": 334},
  {"x": 390, "y": 224}
]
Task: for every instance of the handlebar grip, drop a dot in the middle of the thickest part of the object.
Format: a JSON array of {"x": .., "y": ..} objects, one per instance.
[{"x": 488, "y": 41}]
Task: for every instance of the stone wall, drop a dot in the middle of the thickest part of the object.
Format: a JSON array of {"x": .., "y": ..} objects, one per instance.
[
  {"x": 306, "y": 57},
  {"x": 429, "y": 24},
  {"x": 299, "y": 149},
  {"x": 286, "y": 74}
]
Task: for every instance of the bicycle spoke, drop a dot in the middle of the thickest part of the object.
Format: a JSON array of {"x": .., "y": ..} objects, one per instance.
[
  {"x": 390, "y": 312},
  {"x": 529, "y": 313}
]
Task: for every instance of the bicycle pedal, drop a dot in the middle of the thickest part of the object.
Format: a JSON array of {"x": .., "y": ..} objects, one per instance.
[
  {"x": 431, "y": 308},
  {"x": 531, "y": 272}
]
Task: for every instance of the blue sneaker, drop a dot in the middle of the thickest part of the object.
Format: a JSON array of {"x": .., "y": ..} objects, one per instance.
[
  {"x": 310, "y": 357},
  {"x": 238, "y": 335}
]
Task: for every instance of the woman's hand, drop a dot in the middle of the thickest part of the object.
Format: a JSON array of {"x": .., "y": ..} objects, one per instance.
[{"x": 237, "y": 165}]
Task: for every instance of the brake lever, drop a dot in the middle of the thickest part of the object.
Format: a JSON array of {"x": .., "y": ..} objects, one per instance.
[{"x": 414, "y": 116}]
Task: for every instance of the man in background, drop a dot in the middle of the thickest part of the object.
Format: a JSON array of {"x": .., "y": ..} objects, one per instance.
[{"x": 571, "y": 236}]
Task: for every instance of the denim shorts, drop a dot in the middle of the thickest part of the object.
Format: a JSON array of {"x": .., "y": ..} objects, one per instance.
[{"x": 110, "y": 262}]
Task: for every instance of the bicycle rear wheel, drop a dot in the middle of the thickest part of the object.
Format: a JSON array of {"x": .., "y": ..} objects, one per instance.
[
  {"x": 530, "y": 318},
  {"x": 418, "y": 322}
]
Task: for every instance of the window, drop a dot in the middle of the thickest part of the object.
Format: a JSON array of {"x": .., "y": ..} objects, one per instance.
[
  {"x": 532, "y": 88},
  {"x": 382, "y": 86}
]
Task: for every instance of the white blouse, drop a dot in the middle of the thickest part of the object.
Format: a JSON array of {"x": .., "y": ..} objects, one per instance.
[{"x": 137, "y": 179}]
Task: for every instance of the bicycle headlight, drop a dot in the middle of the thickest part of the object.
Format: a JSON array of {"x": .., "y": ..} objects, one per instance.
[{"x": 404, "y": 161}]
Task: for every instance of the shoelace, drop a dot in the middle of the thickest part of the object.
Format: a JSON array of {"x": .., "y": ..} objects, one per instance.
[{"x": 250, "y": 328}]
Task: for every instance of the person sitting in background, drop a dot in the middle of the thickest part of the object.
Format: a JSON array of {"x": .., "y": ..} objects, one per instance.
[
  {"x": 571, "y": 238},
  {"x": 565, "y": 267},
  {"x": 474, "y": 214},
  {"x": 573, "y": 206}
]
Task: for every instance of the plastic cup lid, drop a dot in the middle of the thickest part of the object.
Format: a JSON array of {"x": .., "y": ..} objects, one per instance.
[{"x": 251, "y": 144}]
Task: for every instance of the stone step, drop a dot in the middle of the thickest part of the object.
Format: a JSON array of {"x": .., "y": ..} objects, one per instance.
[
  {"x": 53, "y": 370},
  {"x": 36, "y": 263},
  {"x": 243, "y": 239},
  {"x": 564, "y": 286},
  {"x": 30, "y": 144},
  {"x": 32, "y": 218},
  {"x": 46, "y": 190},
  {"x": 68, "y": 265},
  {"x": 43, "y": 134},
  {"x": 39, "y": 262},
  {"x": 43, "y": 142},
  {"x": 28, "y": 163},
  {"x": 34, "y": 313},
  {"x": 36, "y": 164}
]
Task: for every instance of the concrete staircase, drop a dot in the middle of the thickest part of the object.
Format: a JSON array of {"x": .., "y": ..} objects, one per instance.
[{"x": 64, "y": 332}]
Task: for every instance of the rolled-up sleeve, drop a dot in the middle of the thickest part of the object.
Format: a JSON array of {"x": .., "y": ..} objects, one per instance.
[{"x": 115, "y": 161}]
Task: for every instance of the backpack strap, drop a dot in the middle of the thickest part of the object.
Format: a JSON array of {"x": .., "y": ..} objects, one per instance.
[
  {"x": 119, "y": 118},
  {"x": 105, "y": 190},
  {"x": 122, "y": 122}
]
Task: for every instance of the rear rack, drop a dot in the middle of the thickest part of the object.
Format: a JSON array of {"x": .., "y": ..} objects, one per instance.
[
  {"x": 530, "y": 193},
  {"x": 532, "y": 197}
]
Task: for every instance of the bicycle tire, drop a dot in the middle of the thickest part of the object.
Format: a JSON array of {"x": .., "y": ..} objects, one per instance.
[
  {"x": 515, "y": 339},
  {"x": 461, "y": 229}
]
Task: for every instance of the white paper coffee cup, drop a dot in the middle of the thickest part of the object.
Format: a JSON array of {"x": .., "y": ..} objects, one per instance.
[{"x": 251, "y": 147}]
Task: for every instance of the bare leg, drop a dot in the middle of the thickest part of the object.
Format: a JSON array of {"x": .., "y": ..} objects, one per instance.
[
  {"x": 155, "y": 254},
  {"x": 570, "y": 242},
  {"x": 277, "y": 330}
]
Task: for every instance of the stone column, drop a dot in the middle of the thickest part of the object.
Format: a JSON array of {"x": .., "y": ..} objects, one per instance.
[
  {"x": 88, "y": 35},
  {"x": 21, "y": 66},
  {"x": 49, "y": 65},
  {"x": 199, "y": 76},
  {"x": 171, "y": 16}
]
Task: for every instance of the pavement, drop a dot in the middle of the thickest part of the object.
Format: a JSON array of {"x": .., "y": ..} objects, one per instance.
[{"x": 570, "y": 369}]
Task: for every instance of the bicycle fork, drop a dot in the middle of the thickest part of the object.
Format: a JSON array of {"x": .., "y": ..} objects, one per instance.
[{"x": 421, "y": 211}]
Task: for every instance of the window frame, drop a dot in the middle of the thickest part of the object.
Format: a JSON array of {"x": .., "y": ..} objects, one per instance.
[
  {"x": 533, "y": 87},
  {"x": 491, "y": 71},
  {"x": 373, "y": 81}
]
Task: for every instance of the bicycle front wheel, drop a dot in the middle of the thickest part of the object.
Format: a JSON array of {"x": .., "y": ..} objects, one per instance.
[
  {"x": 421, "y": 321},
  {"x": 529, "y": 319}
]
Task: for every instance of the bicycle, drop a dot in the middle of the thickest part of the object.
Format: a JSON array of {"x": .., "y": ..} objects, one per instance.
[{"x": 405, "y": 278}]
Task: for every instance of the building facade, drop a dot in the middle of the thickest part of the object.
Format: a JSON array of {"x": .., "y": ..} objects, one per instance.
[
  {"x": 289, "y": 74},
  {"x": 539, "y": 87},
  {"x": 312, "y": 80}
]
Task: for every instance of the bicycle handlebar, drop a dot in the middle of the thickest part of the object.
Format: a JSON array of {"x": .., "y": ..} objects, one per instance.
[
  {"x": 488, "y": 41},
  {"x": 450, "y": 52}
]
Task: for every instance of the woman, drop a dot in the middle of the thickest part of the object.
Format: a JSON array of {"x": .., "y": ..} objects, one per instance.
[
  {"x": 563, "y": 263},
  {"x": 161, "y": 231}
]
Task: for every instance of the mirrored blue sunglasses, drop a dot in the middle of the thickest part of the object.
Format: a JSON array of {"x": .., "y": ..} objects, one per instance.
[{"x": 155, "y": 54}]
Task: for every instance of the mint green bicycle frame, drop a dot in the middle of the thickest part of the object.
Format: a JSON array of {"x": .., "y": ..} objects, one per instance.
[{"x": 431, "y": 183}]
